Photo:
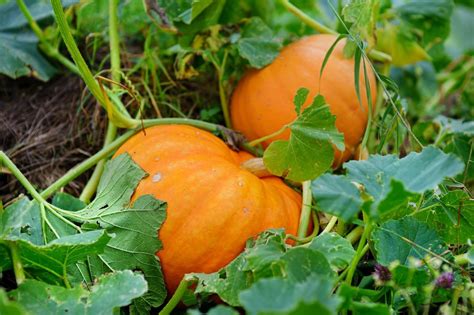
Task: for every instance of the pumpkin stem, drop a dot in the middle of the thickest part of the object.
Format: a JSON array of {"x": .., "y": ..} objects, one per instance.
[{"x": 256, "y": 167}]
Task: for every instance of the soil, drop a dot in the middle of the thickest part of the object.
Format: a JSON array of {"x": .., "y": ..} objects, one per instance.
[{"x": 45, "y": 129}]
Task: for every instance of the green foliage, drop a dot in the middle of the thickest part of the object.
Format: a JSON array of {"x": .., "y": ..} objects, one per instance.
[
  {"x": 309, "y": 151},
  {"x": 384, "y": 184},
  {"x": 277, "y": 296},
  {"x": 266, "y": 257},
  {"x": 400, "y": 240},
  {"x": 257, "y": 44},
  {"x": 135, "y": 244},
  {"x": 452, "y": 216},
  {"x": 19, "y": 55},
  {"x": 110, "y": 291},
  {"x": 337, "y": 250}
]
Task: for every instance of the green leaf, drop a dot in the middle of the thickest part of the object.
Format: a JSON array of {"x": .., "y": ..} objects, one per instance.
[
  {"x": 279, "y": 296},
  {"x": 398, "y": 42},
  {"x": 430, "y": 17},
  {"x": 68, "y": 202},
  {"x": 19, "y": 55},
  {"x": 299, "y": 263},
  {"x": 337, "y": 250},
  {"x": 455, "y": 126},
  {"x": 8, "y": 307},
  {"x": 266, "y": 257},
  {"x": 398, "y": 240},
  {"x": 11, "y": 16},
  {"x": 110, "y": 292},
  {"x": 388, "y": 183},
  {"x": 197, "y": 6},
  {"x": 452, "y": 216},
  {"x": 359, "y": 13},
  {"x": 462, "y": 22},
  {"x": 252, "y": 264},
  {"x": 54, "y": 257},
  {"x": 5, "y": 262},
  {"x": 300, "y": 99},
  {"x": 409, "y": 276},
  {"x": 21, "y": 221},
  {"x": 361, "y": 301},
  {"x": 336, "y": 195},
  {"x": 135, "y": 227},
  {"x": 309, "y": 152},
  {"x": 257, "y": 44}
]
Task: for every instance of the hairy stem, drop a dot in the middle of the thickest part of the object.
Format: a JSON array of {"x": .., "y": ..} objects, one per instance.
[
  {"x": 330, "y": 225},
  {"x": 354, "y": 235},
  {"x": 16, "y": 262},
  {"x": 374, "y": 54},
  {"x": 173, "y": 302},
  {"x": 84, "y": 70},
  {"x": 267, "y": 137},
  {"x": 359, "y": 253},
  {"x": 111, "y": 132},
  {"x": 305, "y": 210}
]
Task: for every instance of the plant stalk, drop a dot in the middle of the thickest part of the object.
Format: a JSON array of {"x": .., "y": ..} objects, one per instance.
[
  {"x": 16, "y": 262},
  {"x": 305, "y": 210},
  {"x": 359, "y": 253},
  {"x": 267, "y": 137},
  {"x": 48, "y": 49},
  {"x": 173, "y": 302},
  {"x": 84, "y": 70},
  {"x": 374, "y": 54}
]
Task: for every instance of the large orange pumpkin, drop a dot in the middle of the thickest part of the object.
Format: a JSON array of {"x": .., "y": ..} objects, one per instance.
[
  {"x": 263, "y": 100},
  {"x": 214, "y": 205}
]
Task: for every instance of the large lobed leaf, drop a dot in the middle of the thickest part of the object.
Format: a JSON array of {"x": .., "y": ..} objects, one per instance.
[
  {"x": 19, "y": 55},
  {"x": 135, "y": 227},
  {"x": 267, "y": 257},
  {"x": 400, "y": 240},
  {"x": 387, "y": 183},
  {"x": 309, "y": 151},
  {"x": 110, "y": 292}
]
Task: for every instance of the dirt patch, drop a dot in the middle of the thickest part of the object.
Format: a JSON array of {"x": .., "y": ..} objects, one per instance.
[{"x": 46, "y": 128}]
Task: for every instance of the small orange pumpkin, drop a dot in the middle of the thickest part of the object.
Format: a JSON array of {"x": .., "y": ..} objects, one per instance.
[
  {"x": 214, "y": 205},
  {"x": 262, "y": 102}
]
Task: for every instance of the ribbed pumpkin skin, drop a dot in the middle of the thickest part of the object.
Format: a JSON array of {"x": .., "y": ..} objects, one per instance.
[
  {"x": 214, "y": 206},
  {"x": 263, "y": 100}
]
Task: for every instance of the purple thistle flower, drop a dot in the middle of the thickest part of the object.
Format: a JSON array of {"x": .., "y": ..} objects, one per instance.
[
  {"x": 382, "y": 273},
  {"x": 445, "y": 280}
]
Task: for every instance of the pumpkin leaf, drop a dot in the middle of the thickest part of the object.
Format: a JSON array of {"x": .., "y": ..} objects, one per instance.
[
  {"x": 431, "y": 18},
  {"x": 5, "y": 261},
  {"x": 397, "y": 41},
  {"x": 135, "y": 227},
  {"x": 309, "y": 152},
  {"x": 54, "y": 257},
  {"x": 21, "y": 221},
  {"x": 452, "y": 216},
  {"x": 455, "y": 126},
  {"x": 280, "y": 296},
  {"x": 398, "y": 240},
  {"x": 110, "y": 292},
  {"x": 388, "y": 183},
  {"x": 257, "y": 44},
  {"x": 19, "y": 55},
  {"x": 267, "y": 257},
  {"x": 8, "y": 307},
  {"x": 337, "y": 250}
]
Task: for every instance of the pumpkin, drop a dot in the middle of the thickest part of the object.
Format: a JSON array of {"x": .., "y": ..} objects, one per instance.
[
  {"x": 214, "y": 205},
  {"x": 262, "y": 102}
]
